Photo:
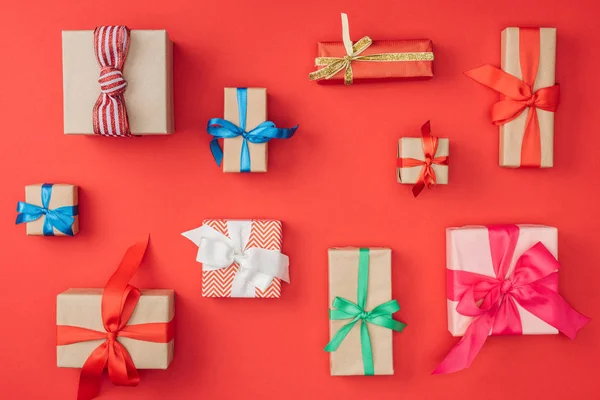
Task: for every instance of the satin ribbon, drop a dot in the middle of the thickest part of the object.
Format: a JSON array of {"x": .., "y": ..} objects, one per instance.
[
  {"x": 518, "y": 95},
  {"x": 111, "y": 44},
  {"x": 222, "y": 129},
  {"x": 333, "y": 65},
  {"x": 61, "y": 218},
  {"x": 492, "y": 301},
  {"x": 380, "y": 315},
  {"x": 257, "y": 267},
  {"x": 119, "y": 300},
  {"x": 427, "y": 176}
]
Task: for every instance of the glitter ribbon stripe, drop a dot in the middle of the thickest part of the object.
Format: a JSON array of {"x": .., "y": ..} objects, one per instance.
[
  {"x": 333, "y": 65},
  {"x": 111, "y": 44}
]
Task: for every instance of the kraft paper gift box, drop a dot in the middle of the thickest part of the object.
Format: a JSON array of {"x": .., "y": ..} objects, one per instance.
[
  {"x": 148, "y": 71},
  {"x": 371, "y": 60},
  {"x": 62, "y": 199},
  {"x": 409, "y": 147},
  {"x": 240, "y": 258},
  {"x": 512, "y": 133},
  {"x": 82, "y": 308},
  {"x": 468, "y": 249},
  {"x": 344, "y": 278},
  {"x": 256, "y": 114}
]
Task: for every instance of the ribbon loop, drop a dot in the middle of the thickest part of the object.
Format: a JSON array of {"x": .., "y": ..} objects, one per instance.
[
  {"x": 380, "y": 315},
  {"x": 111, "y": 45},
  {"x": 222, "y": 129},
  {"x": 61, "y": 218},
  {"x": 257, "y": 266},
  {"x": 518, "y": 95},
  {"x": 427, "y": 177},
  {"x": 493, "y": 300}
]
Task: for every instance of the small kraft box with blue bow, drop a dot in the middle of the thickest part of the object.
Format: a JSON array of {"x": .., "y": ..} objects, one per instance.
[
  {"x": 361, "y": 322},
  {"x": 245, "y": 131},
  {"x": 50, "y": 210}
]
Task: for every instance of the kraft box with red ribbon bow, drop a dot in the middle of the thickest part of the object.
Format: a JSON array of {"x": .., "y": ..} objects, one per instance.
[
  {"x": 529, "y": 96},
  {"x": 117, "y": 82},
  {"x": 503, "y": 280},
  {"x": 120, "y": 327},
  {"x": 423, "y": 162}
]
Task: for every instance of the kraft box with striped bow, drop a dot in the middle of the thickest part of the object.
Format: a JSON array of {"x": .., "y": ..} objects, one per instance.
[
  {"x": 240, "y": 258},
  {"x": 117, "y": 82}
]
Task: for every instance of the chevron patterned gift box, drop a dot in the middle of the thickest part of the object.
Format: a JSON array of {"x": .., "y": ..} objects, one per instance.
[{"x": 240, "y": 258}]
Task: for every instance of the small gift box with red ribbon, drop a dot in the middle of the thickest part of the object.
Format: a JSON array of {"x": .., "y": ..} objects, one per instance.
[
  {"x": 245, "y": 131},
  {"x": 117, "y": 82},
  {"x": 423, "y": 161},
  {"x": 240, "y": 258},
  {"x": 120, "y": 327},
  {"x": 50, "y": 210},
  {"x": 529, "y": 96},
  {"x": 503, "y": 280}
]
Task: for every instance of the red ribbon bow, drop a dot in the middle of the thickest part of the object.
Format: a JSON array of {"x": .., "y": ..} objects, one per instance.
[
  {"x": 427, "y": 175},
  {"x": 492, "y": 300},
  {"x": 111, "y": 44},
  {"x": 518, "y": 95},
  {"x": 118, "y": 303}
]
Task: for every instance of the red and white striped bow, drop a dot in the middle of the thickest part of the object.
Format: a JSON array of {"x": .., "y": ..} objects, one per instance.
[{"x": 111, "y": 44}]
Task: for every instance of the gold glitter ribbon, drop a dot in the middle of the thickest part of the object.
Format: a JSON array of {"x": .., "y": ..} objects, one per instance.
[{"x": 333, "y": 65}]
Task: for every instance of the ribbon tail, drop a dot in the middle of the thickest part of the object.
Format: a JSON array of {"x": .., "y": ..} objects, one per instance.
[
  {"x": 551, "y": 308},
  {"x": 91, "y": 373},
  {"x": 217, "y": 152},
  {"x": 339, "y": 337},
  {"x": 462, "y": 355},
  {"x": 420, "y": 185}
]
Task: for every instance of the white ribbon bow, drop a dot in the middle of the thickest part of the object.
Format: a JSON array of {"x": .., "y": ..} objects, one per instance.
[{"x": 257, "y": 267}]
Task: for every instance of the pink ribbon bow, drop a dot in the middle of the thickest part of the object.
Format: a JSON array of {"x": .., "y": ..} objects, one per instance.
[{"x": 492, "y": 300}]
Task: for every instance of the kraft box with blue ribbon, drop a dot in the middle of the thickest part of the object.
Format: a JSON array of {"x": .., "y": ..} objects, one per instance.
[
  {"x": 50, "y": 210},
  {"x": 245, "y": 131}
]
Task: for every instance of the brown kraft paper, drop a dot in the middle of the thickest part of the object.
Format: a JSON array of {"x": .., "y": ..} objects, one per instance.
[
  {"x": 63, "y": 195},
  {"x": 511, "y": 133},
  {"x": 82, "y": 308},
  {"x": 148, "y": 72},
  {"x": 343, "y": 282},
  {"x": 256, "y": 114},
  {"x": 413, "y": 148}
]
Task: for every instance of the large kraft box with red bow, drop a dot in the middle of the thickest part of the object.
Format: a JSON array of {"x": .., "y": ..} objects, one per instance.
[
  {"x": 148, "y": 72},
  {"x": 512, "y": 133},
  {"x": 82, "y": 308}
]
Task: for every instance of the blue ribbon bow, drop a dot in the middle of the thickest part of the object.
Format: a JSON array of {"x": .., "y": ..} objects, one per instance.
[
  {"x": 61, "y": 218},
  {"x": 222, "y": 129}
]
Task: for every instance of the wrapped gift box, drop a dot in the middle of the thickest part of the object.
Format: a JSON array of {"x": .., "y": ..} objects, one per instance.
[
  {"x": 409, "y": 147},
  {"x": 61, "y": 195},
  {"x": 343, "y": 282},
  {"x": 365, "y": 71},
  {"x": 468, "y": 249},
  {"x": 148, "y": 71},
  {"x": 82, "y": 308},
  {"x": 256, "y": 113},
  {"x": 512, "y": 133},
  {"x": 241, "y": 258}
]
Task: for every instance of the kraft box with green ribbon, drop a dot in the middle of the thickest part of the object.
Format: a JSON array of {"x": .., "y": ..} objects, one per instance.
[{"x": 361, "y": 323}]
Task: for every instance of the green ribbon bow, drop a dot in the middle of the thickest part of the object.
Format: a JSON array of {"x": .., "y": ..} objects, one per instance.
[{"x": 380, "y": 315}]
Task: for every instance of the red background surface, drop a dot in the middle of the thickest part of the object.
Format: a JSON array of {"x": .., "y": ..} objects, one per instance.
[{"x": 332, "y": 184}]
